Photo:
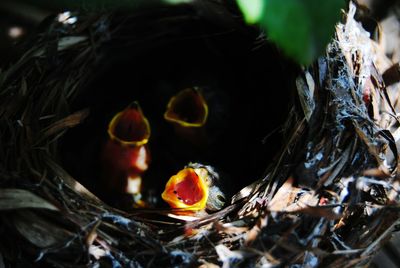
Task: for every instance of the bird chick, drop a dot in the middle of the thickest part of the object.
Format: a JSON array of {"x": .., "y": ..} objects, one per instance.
[
  {"x": 194, "y": 188},
  {"x": 125, "y": 155}
]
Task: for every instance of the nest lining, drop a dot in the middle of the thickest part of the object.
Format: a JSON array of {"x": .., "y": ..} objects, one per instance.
[{"x": 329, "y": 198}]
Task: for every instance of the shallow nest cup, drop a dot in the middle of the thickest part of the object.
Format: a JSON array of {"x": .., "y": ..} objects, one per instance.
[{"x": 306, "y": 157}]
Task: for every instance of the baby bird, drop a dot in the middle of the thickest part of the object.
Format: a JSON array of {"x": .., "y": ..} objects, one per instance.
[
  {"x": 194, "y": 188},
  {"x": 125, "y": 156}
]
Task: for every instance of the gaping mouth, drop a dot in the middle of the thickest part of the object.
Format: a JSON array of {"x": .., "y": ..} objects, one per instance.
[
  {"x": 126, "y": 156},
  {"x": 130, "y": 126},
  {"x": 188, "y": 108},
  {"x": 187, "y": 189}
]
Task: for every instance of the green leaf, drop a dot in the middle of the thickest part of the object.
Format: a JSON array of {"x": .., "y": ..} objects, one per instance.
[
  {"x": 252, "y": 10},
  {"x": 302, "y": 28}
]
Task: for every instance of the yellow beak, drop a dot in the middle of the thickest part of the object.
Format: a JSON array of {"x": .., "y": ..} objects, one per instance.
[
  {"x": 188, "y": 189},
  {"x": 130, "y": 127},
  {"x": 188, "y": 109},
  {"x": 125, "y": 155}
]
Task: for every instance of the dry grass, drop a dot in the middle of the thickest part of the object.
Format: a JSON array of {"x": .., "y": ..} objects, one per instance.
[{"x": 340, "y": 149}]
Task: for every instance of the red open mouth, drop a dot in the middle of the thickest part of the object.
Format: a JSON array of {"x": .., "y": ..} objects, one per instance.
[
  {"x": 130, "y": 127},
  {"x": 187, "y": 189},
  {"x": 188, "y": 108},
  {"x": 125, "y": 155}
]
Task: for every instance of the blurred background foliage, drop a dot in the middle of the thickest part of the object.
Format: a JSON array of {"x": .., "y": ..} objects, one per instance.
[{"x": 301, "y": 28}]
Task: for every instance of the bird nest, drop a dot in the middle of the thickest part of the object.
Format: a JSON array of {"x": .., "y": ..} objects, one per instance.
[{"x": 327, "y": 197}]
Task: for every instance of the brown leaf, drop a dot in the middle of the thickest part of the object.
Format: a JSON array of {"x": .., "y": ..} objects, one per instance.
[
  {"x": 320, "y": 212},
  {"x": 18, "y": 198},
  {"x": 92, "y": 235},
  {"x": 380, "y": 172},
  {"x": 290, "y": 199},
  {"x": 253, "y": 233},
  {"x": 392, "y": 75},
  {"x": 231, "y": 227},
  {"x": 67, "y": 122}
]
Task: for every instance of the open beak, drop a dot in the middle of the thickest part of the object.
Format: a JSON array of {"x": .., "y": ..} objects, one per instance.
[
  {"x": 192, "y": 189},
  {"x": 188, "y": 109},
  {"x": 130, "y": 127},
  {"x": 187, "y": 190},
  {"x": 125, "y": 155}
]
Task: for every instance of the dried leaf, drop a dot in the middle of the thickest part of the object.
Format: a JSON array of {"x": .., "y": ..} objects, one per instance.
[
  {"x": 379, "y": 172},
  {"x": 290, "y": 199},
  {"x": 67, "y": 122},
  {"x": 392, "y": 75},
  {"x": 92, "y": 235},
  {"x": 305, "y": 88},
  {"x": 246, "y": 191},
  {"x": 339, "y": 167},
  {"x": 237, "y": 227},
  {"x": 71, "y": 182},
  {"x": 255, "y": 231},
  {"x": 38, "y": 230},
  {"x": 66, "y": 42},
  {"x": 320, "y": 212},
  {"x": 17, "y": 198}
]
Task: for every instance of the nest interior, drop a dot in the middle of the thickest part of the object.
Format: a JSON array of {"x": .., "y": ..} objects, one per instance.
[
  {"x": 244, "y": 127},
  {"x": 321, "y": 191}
]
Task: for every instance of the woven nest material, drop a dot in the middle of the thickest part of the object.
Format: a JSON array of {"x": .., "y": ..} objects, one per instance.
[{"x": 329, "y": 197}]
